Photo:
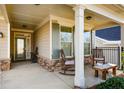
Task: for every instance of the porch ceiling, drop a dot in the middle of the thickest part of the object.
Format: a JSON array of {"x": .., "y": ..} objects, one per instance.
[
  {"x": 97, "y": 21},
  {"x": 32, "y": 15}
]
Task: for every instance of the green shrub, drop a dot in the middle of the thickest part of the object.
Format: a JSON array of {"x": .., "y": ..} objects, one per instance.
[{"x": 112, "y": 83}]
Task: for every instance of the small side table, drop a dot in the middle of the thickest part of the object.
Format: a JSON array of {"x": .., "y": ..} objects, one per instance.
[{"x": 104, "y": 69}]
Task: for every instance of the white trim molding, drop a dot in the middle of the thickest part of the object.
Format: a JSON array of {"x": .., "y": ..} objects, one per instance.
[
  {"x": 50, "y": 39},
  {"x": 8, "y": 24}
]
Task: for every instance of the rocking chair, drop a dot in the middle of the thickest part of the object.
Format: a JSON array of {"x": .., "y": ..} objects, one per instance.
[
  {"x": 98, "y": 56},
  {"x": 67, "y": 64}
]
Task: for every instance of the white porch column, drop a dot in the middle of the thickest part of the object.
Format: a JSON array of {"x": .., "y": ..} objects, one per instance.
[
  {"x": 79, "y": 47},
  {"x": 122, "y": 35},
  {"x": 122, "y": 40},
  {"x": 93, "y": 38}
]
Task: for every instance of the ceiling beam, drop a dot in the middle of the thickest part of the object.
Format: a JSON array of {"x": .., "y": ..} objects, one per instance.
[
  {"x": 23, "y": 22},
  {"x": 21, "y": 30}
]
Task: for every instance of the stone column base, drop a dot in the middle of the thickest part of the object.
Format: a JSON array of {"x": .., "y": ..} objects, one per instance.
[{"x": 5, "y": 64}]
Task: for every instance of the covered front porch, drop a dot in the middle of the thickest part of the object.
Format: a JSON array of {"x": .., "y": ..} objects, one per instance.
[{"x": 47, "y": 36}]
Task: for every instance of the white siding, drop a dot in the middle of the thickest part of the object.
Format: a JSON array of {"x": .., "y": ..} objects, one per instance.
[
  {"x": 4, "y": 41},
  {"x": 42, "y": 40}
]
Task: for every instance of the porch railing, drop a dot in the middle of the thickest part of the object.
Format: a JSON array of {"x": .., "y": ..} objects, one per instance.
[{"x": 111, "y": 54}]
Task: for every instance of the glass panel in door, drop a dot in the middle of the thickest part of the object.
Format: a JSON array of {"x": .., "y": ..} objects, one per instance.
[{"x": 20, "y": 54}]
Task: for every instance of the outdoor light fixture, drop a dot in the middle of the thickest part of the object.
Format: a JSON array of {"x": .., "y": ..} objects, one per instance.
[
  {"x": 1, "y": 35},
  {"x": 37, "y": 4},
  {"x": 88, "y": 17}
]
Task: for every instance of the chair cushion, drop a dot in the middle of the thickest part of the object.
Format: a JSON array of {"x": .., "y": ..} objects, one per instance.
[
  {"x": 69, "y": 62},
  {"x": 99, "y": 59}
]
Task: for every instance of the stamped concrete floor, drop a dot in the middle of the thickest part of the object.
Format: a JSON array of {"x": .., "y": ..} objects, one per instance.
[{"x": 26, "y": 75}]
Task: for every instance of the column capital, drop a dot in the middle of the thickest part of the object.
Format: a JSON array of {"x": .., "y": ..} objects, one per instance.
[{"x": 77, "y": 7}]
